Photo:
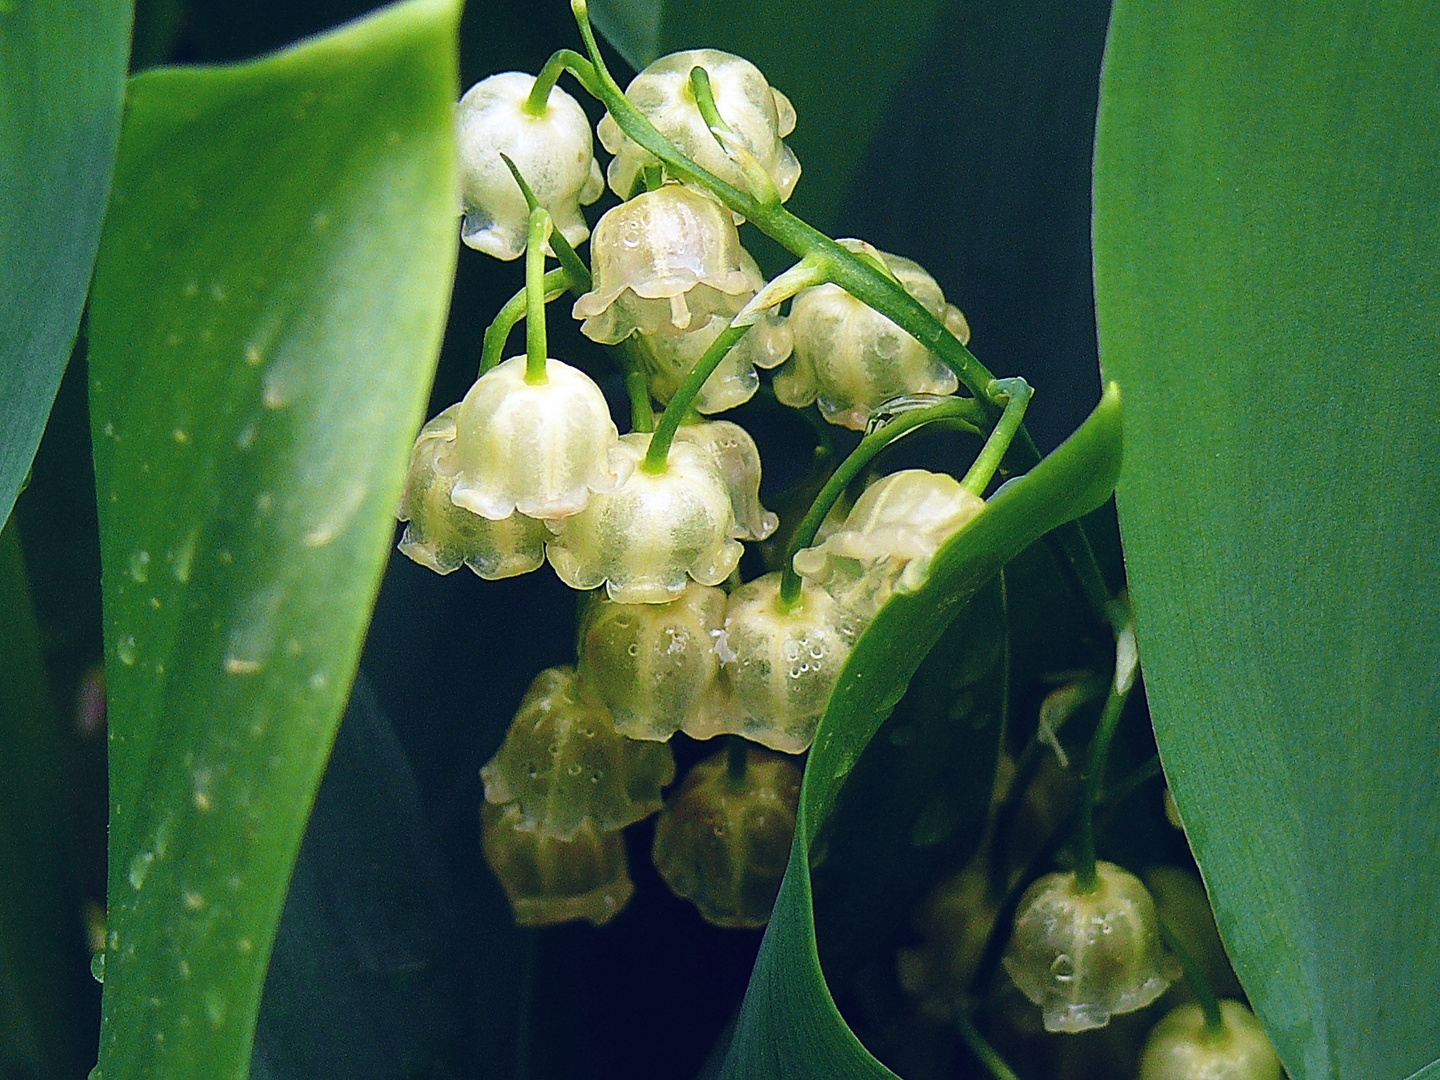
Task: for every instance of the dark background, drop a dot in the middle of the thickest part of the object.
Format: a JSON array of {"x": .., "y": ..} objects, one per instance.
[{"x": 397, "y": 956}]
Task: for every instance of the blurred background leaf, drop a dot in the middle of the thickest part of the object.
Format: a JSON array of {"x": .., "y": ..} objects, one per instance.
[
  {"x": 62, "y": 80},
  {"x": 1268, "y": 276},
  {"x": 833, "y": 61},
  {"x": 268, "y": 306},
  {"x": 43, "y": 1024}
]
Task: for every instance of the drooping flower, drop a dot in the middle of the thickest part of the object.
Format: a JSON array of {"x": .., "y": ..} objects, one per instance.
[
  {"x": 539, "y": 448},
  {"x": 553, "y": 151},
  {"x": 888, "y": 538},
  {"x": 1084, "y": 957},
  {"x": 782, "y": 665},
  {"x": 654, "y": 665},
  {"x": 670, "y": 358},
  {"x": 647, "y": 538},
  {"x": 723, "y": 841},
  {"x": 849, "y": 358},
  {"x": 663, "y": 263},
  {"x": 443, "y": 536},
  {"x": 563, "y": 764},
  {"x": 738, "y": 461},
  {"x": 1181, "y": 1047},
  {"x": 758, "y": 116},
  {"x": 549, "y": 880}
]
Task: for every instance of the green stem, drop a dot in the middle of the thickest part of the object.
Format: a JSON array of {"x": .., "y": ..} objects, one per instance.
[
  {"x": 642, "y": 416},
  {"x": 705, "y": 102},
  {"x": 569, "y": 261},
  {"x": 561, "y": 60},
  {"x": 498, "y": 332},
  {"x": 659, "y": 451},
  {"x": 1195, "y": 976},
  {"x": 965, "y": 410},
  {"x": 980, "y": 1046},
  {"x": 1125, "y": 664},
  {"x": 1017, "y": 396},
  {"x": 536, "y": 347},
  {"x": 854, "y": 275}
]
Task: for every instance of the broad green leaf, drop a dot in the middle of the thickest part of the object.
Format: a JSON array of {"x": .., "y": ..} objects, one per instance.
[
  {"x": 827, "y": 58},
  {"x": 1267, "y": 236},
  {"x": 40, "y": 940},
  {"x": 62, "y": 79},
  {"x": 269, "y": 300},
  {"x": 788, "y": 1025}
]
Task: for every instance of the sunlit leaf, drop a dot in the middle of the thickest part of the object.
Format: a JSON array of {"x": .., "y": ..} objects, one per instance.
[
  {"x": 1268, "y": 280},
  {"x": 62, "y": 77},
  {"x": 789, "y": 1026},
  {"x": 268, "y": 305}
]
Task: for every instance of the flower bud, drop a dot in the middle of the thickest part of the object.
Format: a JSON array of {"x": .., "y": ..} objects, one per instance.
[
  {"x": 1084, "y": 957},
  {"x": 758, "y": 116},
  {"x": 738, "y": 461},
  {"x": 553, "y": 152},
  {"x": 539, "y": 448},
  {"x": 563, "y": 763},
  {"x": 642, "y": 540},
  {"x": 669, "y": 359},
  {"x": 888, "y": 539},
  {"x": 549, "y": 880},
  {"x": 654, "y": 665},
  {"x": 663, "y": 263},
  {"x": 1181, "y": 1047},
  {"x": 441, "y": 535},
  {"x": 723, "y": 841},
  {"x": 782, "y": 665},
  {"x": 849, "y": 358}
]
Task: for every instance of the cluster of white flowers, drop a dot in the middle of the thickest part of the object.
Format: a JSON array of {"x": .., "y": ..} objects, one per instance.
[{"x": 530, "y": 467}]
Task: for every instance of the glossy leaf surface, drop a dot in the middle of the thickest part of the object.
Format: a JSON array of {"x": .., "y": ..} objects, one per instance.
[
  {"x": 62, "y": 78},
  {"x": 1268, "y": 278},
  {"x": 268, "y": 306},
  {"x": 789, "y": 1026},
  {"x": 839, "y": 81}
]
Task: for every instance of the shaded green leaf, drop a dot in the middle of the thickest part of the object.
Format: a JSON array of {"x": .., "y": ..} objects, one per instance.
[
  {"x": 788, "y": 1026},
  {"x": 1268, "y": 277},
  {"x": 826, "y": 58},
  {"x": 62, "y": 79},
  {"x": 41, "y": 952},
  {"x": 268, "y": 306}
]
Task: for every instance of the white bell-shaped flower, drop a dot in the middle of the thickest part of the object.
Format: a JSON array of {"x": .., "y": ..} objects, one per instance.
[
  {"x": 553, "y": 151},
  {"x": 444, "y": 536},
  {"x": 738, "y": 460},
  {"x": 655, "y": 664},
  {"x": 645, "y": 539},
  {"x": 782, "y": 665},
  {"x": 539, "y": 448},
  {"x": 758, "y": 116},
  {"x": 663, "y": 263},
  {"x": 849, "y": 358},
  {"x": 563, "y": 763},
  {"x": 1181, "y": 1047},
  {"x": 550, "y": 881},
  {"x": 723, "y": 841},
  {"x": 888, "y": 538},
  {"x": 1084, "y": 957},
  {"x": 670, "y": 358}
]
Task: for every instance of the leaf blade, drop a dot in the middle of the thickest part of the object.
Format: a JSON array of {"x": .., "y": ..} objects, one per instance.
[
  {"x": 788, "y": 1025},
  {"x": 1265, "y": 276},
  {"x": 62, "y": 79},
  {"x": 269, "y": 302}
]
